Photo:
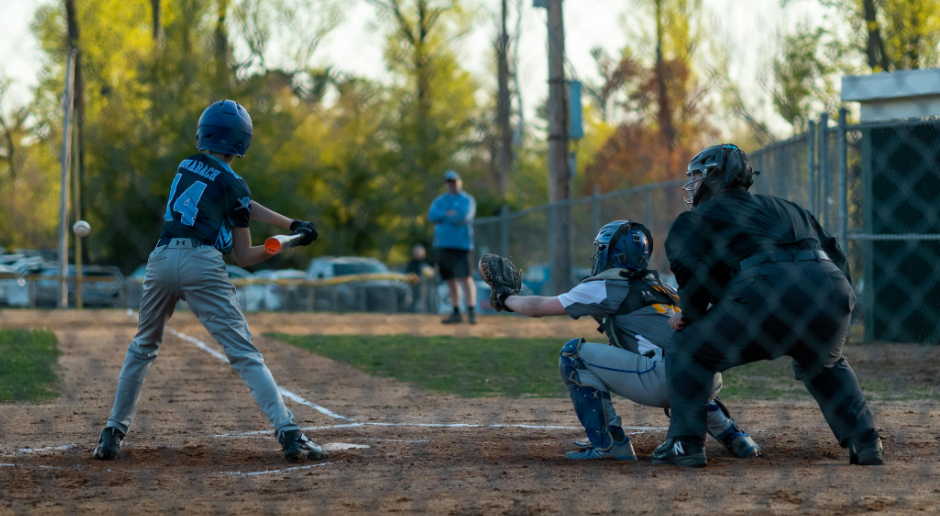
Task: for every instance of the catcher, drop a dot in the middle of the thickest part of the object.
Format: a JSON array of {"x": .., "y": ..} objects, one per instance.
[{"x": 633, "y": 308}]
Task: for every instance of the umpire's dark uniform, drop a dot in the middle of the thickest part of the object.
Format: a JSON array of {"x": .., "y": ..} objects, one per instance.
[{"x": 779, "y": 285}]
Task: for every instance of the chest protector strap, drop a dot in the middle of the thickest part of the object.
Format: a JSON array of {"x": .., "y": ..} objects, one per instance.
[{"x": 644, "y": 288}]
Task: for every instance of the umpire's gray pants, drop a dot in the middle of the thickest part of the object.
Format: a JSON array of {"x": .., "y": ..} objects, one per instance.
[{"x": 198, "y": 276}]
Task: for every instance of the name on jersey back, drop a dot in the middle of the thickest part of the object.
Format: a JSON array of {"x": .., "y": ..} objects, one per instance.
[{"x": 200, "y": 169}]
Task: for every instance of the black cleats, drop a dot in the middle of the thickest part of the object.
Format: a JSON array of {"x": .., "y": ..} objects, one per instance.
[
  {"x": 109, "y": 444},
  {"x": 296, "y": 446},
  {"x": 677, "y": 453},
  {"x": 867, "y": 454}
]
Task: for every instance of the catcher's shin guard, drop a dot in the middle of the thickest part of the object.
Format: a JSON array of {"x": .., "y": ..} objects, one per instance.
[
  {"x": 589, "y": 402},
  {"x": 724, "y": 429}
]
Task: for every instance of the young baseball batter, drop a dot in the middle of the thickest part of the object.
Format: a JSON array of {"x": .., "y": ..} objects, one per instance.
[
  {"x": 633, "y": 308},
  {"x": 207, "y": 216}
]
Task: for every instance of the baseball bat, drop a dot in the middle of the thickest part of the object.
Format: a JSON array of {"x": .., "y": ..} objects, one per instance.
[{"x": 276, "y": 244}]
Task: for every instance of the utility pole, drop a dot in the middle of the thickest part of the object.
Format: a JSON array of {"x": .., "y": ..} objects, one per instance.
[
  {"x": 558, "y": 178},
  {"x": 504, "y": 107},
  {"x": 68, "y": 101}
]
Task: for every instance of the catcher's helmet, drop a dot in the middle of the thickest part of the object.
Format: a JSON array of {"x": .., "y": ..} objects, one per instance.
[
  {"x": 622, "y": 243},
  {"x": 721, "y": 167},
  {"x": 224, "y": 127}
]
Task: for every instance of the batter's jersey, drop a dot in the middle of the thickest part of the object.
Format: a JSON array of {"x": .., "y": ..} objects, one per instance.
[
  {"x": 207, "y": 200},
  {"x": 640, "y": 331}
]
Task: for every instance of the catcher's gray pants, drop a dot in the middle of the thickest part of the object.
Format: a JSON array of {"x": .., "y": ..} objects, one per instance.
[
  {"x": 197, "y": 275},
  {"x": 638, "y": 378}
]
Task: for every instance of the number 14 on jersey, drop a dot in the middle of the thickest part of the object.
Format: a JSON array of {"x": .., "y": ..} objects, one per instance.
[{"x": 187, "y": 203}]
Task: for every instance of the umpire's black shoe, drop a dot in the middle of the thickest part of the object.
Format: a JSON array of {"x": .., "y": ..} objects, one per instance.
[
  {"x": 109, "y": 444},
  {"x": 296, "y": 446},
  {"x": 677, "y": 453},
  {"x": 867, "y": 454}
]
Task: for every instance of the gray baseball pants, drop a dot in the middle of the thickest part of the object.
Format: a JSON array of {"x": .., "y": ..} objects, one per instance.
[
  {"x": 638, "y": 378},
  {"x": 197, "y": 275}
]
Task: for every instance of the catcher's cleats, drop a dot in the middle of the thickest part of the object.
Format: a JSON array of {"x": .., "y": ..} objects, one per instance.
[
  {"x": 109, "y": 444},
  {"x": 867, "y": 454},
  {"x": 677, "y": 453},
  {"x": 296, "y": 446},
  {"x": 503, "y": 278},
  {"x": 622, "y": 450},
  {"x": 739, "y": 443}
]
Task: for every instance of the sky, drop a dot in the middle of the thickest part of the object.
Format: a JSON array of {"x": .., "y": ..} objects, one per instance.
[{"x": 747, "y": 28}]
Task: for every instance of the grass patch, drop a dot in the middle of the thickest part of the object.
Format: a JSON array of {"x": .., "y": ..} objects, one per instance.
[
  {"x": 511, "y": 367},
  {"x": 28, "y": 365},
  {"x": 467, "y": 367}
]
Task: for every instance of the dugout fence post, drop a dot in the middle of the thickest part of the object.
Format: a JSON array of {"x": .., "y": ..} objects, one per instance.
[
  {"x": 843, "y": 183},
  {"x": 823, "y": 177},
  {"x": 811, "y": 166}
]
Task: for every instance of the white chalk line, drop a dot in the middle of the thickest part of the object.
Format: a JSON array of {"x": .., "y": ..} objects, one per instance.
[
  {"x": 284, "y": 392},
  {"x": 273, "y": 471},
  {"x": 436, "y": 425},
  {"x": 344, "y": 446},
  {"x": 27, "y": 451}
]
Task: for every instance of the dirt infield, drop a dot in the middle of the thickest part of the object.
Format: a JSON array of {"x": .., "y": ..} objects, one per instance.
[{"x": 187, "y": 452}]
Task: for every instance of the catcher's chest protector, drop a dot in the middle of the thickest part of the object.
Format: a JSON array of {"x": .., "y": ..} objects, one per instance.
[{"x": 645, "y": 291}]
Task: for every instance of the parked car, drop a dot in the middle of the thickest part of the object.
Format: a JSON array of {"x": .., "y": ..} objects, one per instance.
[
  {"x": 272, "y": 297},
  {"x": 103, "y": 291},
  {"x": 7, "y": 282},
  {"x": 363, "y": 296},
  {"x": 18, "y": 290}
]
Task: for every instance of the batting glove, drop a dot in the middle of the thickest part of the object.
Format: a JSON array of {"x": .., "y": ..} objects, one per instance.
[{"x": 307, "y": 230}]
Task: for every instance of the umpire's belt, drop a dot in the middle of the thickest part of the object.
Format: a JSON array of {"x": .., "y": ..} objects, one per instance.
[
  {"x": 784, "y": 256},
  {"x": 179, "y": 243}
]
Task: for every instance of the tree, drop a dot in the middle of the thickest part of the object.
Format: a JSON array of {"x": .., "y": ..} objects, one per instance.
[
  {"x": 892, "y": 34},
  {"x": 805, "y": 74},
  {"x": 13, "y": 130},
  {"x": 664, "y": 107},
  {"x": 434, "y": 102},
  {"x": 504, "y": 105}
]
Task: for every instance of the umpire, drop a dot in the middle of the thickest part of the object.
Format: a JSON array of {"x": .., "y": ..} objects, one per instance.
[{"x": 778, "y": 284}]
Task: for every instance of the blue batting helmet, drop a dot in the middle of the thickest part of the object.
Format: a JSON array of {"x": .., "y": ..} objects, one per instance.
[
  {"x": 622, "y": 243},
  {"x": 224, "y": 127}
]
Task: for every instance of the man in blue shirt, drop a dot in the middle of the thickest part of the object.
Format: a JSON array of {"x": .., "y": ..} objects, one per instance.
[{"x": 453, "y": 212}]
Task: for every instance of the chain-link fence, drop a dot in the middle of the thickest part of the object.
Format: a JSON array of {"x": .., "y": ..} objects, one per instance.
[{"x": 872, "y": 186}]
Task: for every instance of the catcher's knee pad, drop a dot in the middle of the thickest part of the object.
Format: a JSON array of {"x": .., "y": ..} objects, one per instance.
[
  {"x": 590, "y": 403},
  {"x": 569, "y": 361}
]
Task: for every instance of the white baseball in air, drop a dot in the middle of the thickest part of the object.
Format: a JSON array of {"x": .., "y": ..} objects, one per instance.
[{"x": 81, "y": 228}]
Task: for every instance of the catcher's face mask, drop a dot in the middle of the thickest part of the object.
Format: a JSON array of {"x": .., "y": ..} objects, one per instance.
[{"x": 690, "y": 189}]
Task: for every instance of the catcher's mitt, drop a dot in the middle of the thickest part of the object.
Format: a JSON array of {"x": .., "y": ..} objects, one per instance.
[{"x": 503, "y": 278}]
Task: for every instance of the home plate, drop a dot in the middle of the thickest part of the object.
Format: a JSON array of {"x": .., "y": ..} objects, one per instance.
[{"x": 343, "y": 446}]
